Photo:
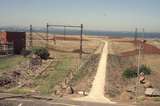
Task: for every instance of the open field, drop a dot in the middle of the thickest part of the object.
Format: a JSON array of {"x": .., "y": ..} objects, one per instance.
[{"x": 122, "y": 55}]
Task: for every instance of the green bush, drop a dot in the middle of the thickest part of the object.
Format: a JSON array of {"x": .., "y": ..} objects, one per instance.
[
  {"x": 129, "y": 73},
  {"x": 42, "y": 52},
  {"x": 146, "y": 70},
  {"x": 132, "y": 72}
]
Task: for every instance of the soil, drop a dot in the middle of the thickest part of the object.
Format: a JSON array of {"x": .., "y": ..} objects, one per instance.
[
  {"x": 146, "y": 49},
  {"x": 122, "y": 55},
  {"x": 68, "y": 48}
]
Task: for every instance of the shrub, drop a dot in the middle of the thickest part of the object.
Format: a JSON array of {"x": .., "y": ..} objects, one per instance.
[
  {"x": 132, "y": 72},
  {"x": 146, "y": 70},
  {"x": 42, "y": 52}
]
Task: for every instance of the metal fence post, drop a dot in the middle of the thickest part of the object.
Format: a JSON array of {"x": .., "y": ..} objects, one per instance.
[
  {"x": 81, "y": 40},
  {"x": 47, "y": 36},
  {"x": 30, "y": 42}
]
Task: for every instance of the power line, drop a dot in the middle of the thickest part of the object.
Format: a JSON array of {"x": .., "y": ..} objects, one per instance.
[{"x": 65, "y": 26}]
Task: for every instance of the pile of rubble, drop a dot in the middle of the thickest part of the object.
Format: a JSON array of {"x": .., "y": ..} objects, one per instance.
[
  {"x": 64, "y": 87},
  {"x": 144, "y": 88},
  {"x": 149, "y": 89},
  {"x": 20, "y": 75}
]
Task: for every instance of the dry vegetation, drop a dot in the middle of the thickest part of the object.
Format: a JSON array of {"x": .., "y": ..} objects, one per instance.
[
  {"x": 65, "y": 69},
  {"x": 116, "y": 85}
]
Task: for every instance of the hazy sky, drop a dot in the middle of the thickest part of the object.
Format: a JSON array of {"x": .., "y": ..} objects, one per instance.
[{"x": 117, "y": 15}]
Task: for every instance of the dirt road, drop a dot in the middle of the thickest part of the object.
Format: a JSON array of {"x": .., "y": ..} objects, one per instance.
[{"x": 97, "y": 91}]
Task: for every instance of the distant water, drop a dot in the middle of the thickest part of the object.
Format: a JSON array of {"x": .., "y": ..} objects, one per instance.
[
  {"x": 123, "y": 34},
  {"x": 85, "y": 32}
]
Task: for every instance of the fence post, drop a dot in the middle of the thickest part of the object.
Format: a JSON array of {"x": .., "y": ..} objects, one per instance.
[
  {"x": 30, "y": 37},
  {"x": 81, "y": 40},
  {"x": 64, "y": 32},
  {"x": 47, "y": 36}
]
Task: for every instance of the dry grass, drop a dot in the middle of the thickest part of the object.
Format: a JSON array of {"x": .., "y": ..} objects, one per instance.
[
  {"x": 120, "y": 47},
  {"x": 66, "y": 55},
  {"x": 118, "y": 64}
]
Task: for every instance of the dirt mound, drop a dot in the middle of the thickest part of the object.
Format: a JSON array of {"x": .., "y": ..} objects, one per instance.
[
  {"x": 125, "y": 97},
  {"x": 115, "y": 37},
  {"x": 147, "y": 49},
  {"x": 78, "y": 51}
]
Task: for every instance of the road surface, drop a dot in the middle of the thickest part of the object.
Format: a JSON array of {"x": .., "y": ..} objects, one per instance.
[
  {"x": 56, "y": 102},
  {"x": 97, "y": 91}
]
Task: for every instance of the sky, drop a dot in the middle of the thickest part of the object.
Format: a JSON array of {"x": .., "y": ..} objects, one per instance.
[{"x": 109, "y": 15}]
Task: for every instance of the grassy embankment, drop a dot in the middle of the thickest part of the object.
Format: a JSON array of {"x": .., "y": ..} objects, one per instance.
[{"x": 10, "y": 62}]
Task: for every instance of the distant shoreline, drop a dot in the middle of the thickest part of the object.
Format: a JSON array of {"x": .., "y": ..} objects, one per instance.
[{"x": 85, "y": 32}]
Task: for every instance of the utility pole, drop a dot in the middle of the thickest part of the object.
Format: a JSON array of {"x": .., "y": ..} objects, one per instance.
[
  {"x": 143, "y": 33},
  {"x": 136, "y": 34},
  {"x": 138, "y": 46},
  {"x": 30, "y": 42},
  {"x": 64, "y": 26},
  {"x": 140, "y": 49},
  {"x": 47, "y": 35},
  {"x": 64, "y": 32},
  {"x": 138, "y": 68},
  {"x": 143, "y": 39},
  {"x": 81, "y": 40},
  {"x": 54, "y": 38}
]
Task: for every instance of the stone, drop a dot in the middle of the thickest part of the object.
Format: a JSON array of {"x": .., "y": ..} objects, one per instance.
[
  {"x": 64, "y": 85},
  {"x": 83, "y": 93},
  {"x": 126, "y": 96},
  {"x": 147, "y": 84},
  {"x": 69, "y": 90},
  {"x": 156, "y": 92},
  {"x": 57, "y": 92},
  {"x": 36, "y": 60},
  {"x": 152, "y": 92},
  {"x": 131, "y": 89},
  {"x": 142, "y": 79},
  {"x": 16, "y": 73}
]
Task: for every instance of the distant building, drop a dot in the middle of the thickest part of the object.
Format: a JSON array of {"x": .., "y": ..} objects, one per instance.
[{"x": 15, "y": 41}]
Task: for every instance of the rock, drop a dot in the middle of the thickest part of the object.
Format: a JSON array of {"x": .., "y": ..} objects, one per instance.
[
  {"x": 16, "y": 73},
  {"x": 147, "y": 84},
  {"x": 83, "y": 93},
  {"x": 152, "y": 92},
  {"x": 71, "y": 75},
  {"x": 57, "y": 92},
  {"x": 69, "y": 90},
  {"x": 126, "y": 96},
  {"x": 63, "y": 85},
  {"x": 142, "y": 79},
  {"x": 36, "y": 60},
  {"x": 156, "y": 92},
  {"x": 80, "y": 92},
  {"x": 131, "y": 89}
]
